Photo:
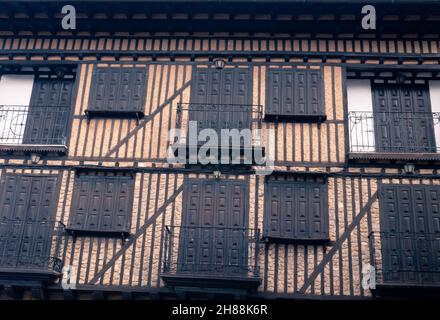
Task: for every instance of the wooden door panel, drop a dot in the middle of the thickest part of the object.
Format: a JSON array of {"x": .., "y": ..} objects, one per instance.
[
  {"x": 402, "y": 118},
  {"x": 25, "y": 233},
  {"x": 49, "y": 111},
  {"x": 212, "y": 235},
  {"x": 220, "y": 99},
  {"x": 409, "y": 241}
]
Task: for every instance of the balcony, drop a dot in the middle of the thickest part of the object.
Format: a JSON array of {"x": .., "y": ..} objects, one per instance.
[
  {"x": 405, "y": 263},
  {"x": 30, "y": 251},
  {"x": 394, "y": 136},
  {"x": 32, "y": 129},
  {"x": 205, "y": 257},
  {"x": 192, "y": 118}
]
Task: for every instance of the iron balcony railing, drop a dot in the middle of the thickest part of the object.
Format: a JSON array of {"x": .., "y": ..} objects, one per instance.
[
  {"x": 31, "y": 245},
  {"x": 394, "y": 132},
  {"x": 218, "y": 116},
  {"x": 217, "y": 252},
  {"x": 34, "y": 125},
  {"x": 408, "y": 259}
]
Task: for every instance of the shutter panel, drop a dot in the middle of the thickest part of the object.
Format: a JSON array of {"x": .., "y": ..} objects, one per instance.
[
  {"x": 274, "y": 92},
  {"x": 118, "y": 90},
  {"x": 275, "y": 210},
  {"x": 95, "y": 205},
  {"x": 316, "y": 220},
  {"x": 302, "y": 212},
  {"x": 301, "y": 93},
  {"x": 287, "y": 221},
  {"x": 80, "y": 201},
  {"x": 294, "y": 93},
  {"x": 138, "y": 87},
  {"x": 314, "y": 87},
  {"x": 100, "y": 84},
  {"x": 9, "y": 193},
  {"x": 296, "y": 210},
  {"x": 433, "y": 200},
  {"x": 102, "y": 203}
]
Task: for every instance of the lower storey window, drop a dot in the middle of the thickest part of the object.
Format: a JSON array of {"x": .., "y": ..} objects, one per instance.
[
  {"x": 296, "y": 208},
  {"x": 409, "y": 240},
  {"x": 102, "y": 202}
]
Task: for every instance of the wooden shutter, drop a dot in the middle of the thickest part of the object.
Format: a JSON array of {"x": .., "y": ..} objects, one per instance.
[
  {"x": 410, "y": 233},
  {"x": 296, "y": 209},
  {"x": 118, "y": 90},
  {"x": 214, "y": 222},
  {"x": 401, "y": 121},
  {"x": 27, "y": 209},
  {"x": 49, "y": 111},
  {"x": 294, "y": 93},
  {"x": 221, "y": 99},
  {"x": 102, "y": 203}
]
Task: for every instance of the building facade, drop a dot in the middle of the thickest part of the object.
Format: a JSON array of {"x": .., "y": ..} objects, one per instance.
[{"x": 92, "y": 207}]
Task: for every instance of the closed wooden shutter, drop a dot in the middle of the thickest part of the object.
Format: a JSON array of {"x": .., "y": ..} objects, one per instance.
[
  {"x": 214, "y": 222},
  {"x": 102, "y": 203},
  {"x": 296, "y": 209},
  {"x": 27, "y": 209},
  {"x": 49, "y": 111},
  {"x": 118, "y": 90},
  {"x": 402, "y": 119},
  {"x": 410, "y": 239},
  {"x": 295, "y": 93},
  {"x": 221, "y": 99}
]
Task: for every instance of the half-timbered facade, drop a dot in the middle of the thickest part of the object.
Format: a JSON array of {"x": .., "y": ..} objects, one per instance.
[{"x": 91, "y": 206}]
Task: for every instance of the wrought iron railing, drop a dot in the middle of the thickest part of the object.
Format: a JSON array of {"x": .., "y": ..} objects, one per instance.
[
  {"x": 33, "y": 124},
  {"x": 31, "y": 245},
  {"x": 406, "y": 259},
  {"x": 226, "y": 252},
  {"x": 218, "y": 116},
  {"x": 394, "y": 132}
]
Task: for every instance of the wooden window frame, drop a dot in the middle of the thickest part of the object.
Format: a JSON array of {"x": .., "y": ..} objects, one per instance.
[
  {"x": 119, "y": 112},
  {"x": 296, "y": 182},
  {"x": 294, "y": 115},
  {"x": 119, "y": 176}
]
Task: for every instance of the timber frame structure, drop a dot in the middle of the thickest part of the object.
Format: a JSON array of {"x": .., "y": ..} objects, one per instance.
[{"x": 91, "y": 191}]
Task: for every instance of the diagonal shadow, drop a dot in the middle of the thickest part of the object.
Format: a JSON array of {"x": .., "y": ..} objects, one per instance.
[
  {"x": 146, "y": 119},
  {"x": 133, "y": 238},
  {"x": 338, "y": 243}
]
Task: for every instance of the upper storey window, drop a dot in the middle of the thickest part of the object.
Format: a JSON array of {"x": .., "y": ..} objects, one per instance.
[
  {"x": 34, "y": 112},
  {"x": 295, "y": 94},
  {"x": 118, "y": 92},
  {"x": 393, "y": 117},
  {"x": 220, "y": 105}
]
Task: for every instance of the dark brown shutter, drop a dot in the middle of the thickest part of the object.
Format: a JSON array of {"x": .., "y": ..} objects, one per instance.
[
  {"x": 402, "y": 118},
  {"x": 221, "y": 99},
  {"x": 49, "y": 111},
  {"x": 296, "y": 209},
  {"x": 102, "y": 203},
  {"x": 118, "y": 89},
  {"x": 27, "y": 209},
  {"x": 214, "y": 222},
  {"x": 410, "y": 230},
  {"x": 295, "y": 93}
]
